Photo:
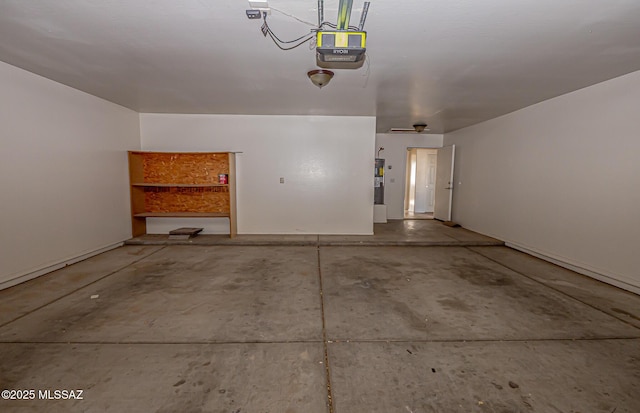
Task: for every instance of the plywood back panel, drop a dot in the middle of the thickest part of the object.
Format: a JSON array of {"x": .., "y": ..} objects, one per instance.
[
  {"x": 184, "y": 168},
  {"x": 180, "y": 201}
]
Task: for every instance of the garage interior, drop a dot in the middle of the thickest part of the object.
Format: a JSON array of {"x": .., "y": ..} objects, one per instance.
[{"x": 300, "y": 297}]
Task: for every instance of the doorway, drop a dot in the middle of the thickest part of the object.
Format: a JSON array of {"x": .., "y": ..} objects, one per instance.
[{"x": 419, "y": 200}]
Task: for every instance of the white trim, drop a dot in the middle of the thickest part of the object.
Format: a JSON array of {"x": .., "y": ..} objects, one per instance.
[
  {"x": 452, "y": 182},
  {"x": 31, "y": 274},
  {"x": 617, "y": 281}
]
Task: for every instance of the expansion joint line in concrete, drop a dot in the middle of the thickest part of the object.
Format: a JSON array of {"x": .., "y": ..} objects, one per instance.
[
  {"x": 80, "y": 288},
  {"x": 553, "y": 288},
  {"x": 339, "y": 341},
  {"x": 484, "y": 340},
  {"x": 325, "y": 342},
  {"x": 163, "y": 343}
]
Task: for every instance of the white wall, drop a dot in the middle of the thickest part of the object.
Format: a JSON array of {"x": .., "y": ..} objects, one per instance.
[
  {"x": 326, "y": 161},
  {"x": 395, "y": 155},
  {"x": 63, "y": 173},
  {"x": 560, "y": 179}
]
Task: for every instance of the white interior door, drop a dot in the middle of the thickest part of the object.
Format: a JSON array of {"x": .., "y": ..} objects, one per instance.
[
  {"x": 421, "y": 201},
  {"x": 431, "y": 180},
  {"x": 444, "y": 183},
  {"x": 411, "y": 182}
]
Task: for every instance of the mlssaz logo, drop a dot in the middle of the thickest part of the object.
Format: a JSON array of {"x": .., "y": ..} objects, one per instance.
[
  {"x": 60, "y": 394},
  {"x": 340, "y": 51}
]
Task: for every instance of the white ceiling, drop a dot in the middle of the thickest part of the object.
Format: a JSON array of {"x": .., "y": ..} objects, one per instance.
[{"x": 449, "y": 63}]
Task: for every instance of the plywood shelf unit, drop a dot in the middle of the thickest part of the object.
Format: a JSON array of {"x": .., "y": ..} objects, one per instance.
[{"x": 181, "y": 185}]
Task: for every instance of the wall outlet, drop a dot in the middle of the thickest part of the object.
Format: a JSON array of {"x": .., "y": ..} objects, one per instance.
[{"x": 281, "y": 180}]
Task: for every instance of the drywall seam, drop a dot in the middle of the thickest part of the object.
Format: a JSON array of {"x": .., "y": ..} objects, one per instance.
[{"x": 35, "y": 273}]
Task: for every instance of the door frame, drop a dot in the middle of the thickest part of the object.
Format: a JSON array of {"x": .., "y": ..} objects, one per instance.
[
  {"x": 404, "y": 170},
  {"x": 450, "y": 184}
]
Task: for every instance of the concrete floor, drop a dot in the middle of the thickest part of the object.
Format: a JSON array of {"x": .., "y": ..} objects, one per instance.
[{"x": 327, "y": 326}]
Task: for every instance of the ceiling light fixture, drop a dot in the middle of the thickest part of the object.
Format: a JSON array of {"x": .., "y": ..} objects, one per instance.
[
  {"x": 320, "y": 77},
  {"x": 419, "y": 127}
]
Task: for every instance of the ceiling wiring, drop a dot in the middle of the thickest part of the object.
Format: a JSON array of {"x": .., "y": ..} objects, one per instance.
[
  {"x": 367, "y": 72},
  {"x": 302, "y": 39},
  {"x": 334, "y": 26},
  {"x": 287, "y": 48},
  {"x": 311, "y": 33},
  {"x": 279, "y": 42}
]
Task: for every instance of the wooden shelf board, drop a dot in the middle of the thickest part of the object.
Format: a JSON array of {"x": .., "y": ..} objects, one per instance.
[
  {"x": 145, "y": 184},
  {"x": 182, "y": 215},
  {"x": 179, "y": 153}
]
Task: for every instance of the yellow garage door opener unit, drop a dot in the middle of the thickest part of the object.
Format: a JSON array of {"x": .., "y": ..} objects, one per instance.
[
  {"x": 341, "y": 49},
  {"x": 345, "y": 46}
]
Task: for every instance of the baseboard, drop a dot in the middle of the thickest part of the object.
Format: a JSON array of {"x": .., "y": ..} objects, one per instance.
[
  {"x": 31, "y": 274},
  {"x": 581, "y": 269}
]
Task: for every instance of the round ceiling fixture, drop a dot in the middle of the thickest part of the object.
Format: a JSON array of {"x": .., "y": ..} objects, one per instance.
[
  {"x": 419, "y": 127},
  {"x": 320, "y": 77}
]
